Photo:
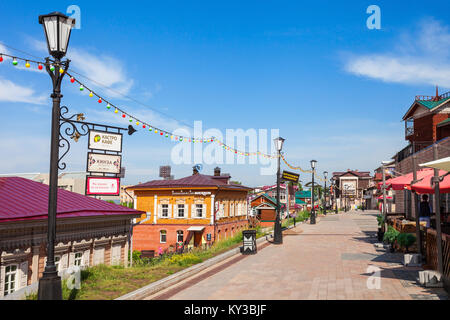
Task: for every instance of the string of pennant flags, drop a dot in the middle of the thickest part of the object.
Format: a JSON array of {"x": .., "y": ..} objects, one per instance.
[{"x": 138, "y": 122}]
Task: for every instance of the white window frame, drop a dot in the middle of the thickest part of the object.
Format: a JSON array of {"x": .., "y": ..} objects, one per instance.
[
  {"x": 78, "y": 258},
  {"x": 161, "y": 233},
  {"x": 162, "y": 210},
  {"x": 58, "y": 259},
  {"x": 16, "y": 279},
  {"x": 184, "y": 210},
  {"x": 180, "y": 232},
  {"x": 221, "y": 210},
  {"x": 197, "y": 210}
]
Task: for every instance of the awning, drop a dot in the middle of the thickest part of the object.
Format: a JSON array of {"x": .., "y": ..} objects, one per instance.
[
  {"x": 441, "y": 164},
  {"x": 195, "y": 228},
  {"x": 402, "y": 182},
  {"x": 424, "y": 186}
]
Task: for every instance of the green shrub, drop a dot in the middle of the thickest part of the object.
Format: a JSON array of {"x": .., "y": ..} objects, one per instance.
[
  {"x": 380, "y": 219},
  {"x": 184, "y": 259},
  {"x": 390, "y": 236},
  {"x": 405, "y": 240}
]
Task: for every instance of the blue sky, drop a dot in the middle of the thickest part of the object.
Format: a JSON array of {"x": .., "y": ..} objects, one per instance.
[{"x": 336, "y": 90}]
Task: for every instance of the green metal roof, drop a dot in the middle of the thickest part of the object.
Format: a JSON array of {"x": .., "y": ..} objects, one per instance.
[
  {"x": 444, "y": 122},
  {"x": 303, "y": 194},
  {"x": 432, "y": 104}
]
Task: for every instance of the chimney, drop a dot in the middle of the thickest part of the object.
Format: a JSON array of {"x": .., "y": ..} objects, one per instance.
[
  {"x": 437, "y": 98},
  {"x": 217, "y": 172},
  {"x": 194, "y": 170}
]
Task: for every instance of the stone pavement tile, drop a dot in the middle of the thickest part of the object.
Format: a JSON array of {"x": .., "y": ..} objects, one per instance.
[{"x": 311, "y": 266}]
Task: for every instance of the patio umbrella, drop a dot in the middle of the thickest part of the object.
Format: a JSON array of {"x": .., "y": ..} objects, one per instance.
[
  {"x": 401, "y": 182},
  {"x": 388, "y": 184},
  {"x": 425, "y": 186},
  {"x": 441, "y": 164}
]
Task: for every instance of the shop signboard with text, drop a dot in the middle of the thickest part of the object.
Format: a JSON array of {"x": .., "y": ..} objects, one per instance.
[
  {"x": 104, "y": 163},
  {"x": 107, "y": 141},
  {"x": 102, "y": 186}
]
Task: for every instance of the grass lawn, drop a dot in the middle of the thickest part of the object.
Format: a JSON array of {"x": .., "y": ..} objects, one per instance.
[{"x": 109, "y": 282}]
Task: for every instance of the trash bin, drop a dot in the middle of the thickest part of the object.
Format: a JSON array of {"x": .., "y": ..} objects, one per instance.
[{"x": 249, "y": 242}]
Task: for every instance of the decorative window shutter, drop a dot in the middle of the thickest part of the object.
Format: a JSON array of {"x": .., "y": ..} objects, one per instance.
[
  {"x": 86, "y": 256},
  {"x": 159, "y": 211},
  {"x": 23, "y": 274},
  {"x": 193, "y": 210},
  {"x": 170, "y": 211},
  {"x": 64, "y": 262},
  {"x": 71, "y": 259},
  {"x": 2, "y": 280},
  {"x": 99, "y": 255}
]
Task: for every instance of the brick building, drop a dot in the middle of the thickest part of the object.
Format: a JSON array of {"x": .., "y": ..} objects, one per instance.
[
  {"x": 89, "y": 232},
  {"x": 195, "y": 210},
  {"x": 427, "y": 124}
]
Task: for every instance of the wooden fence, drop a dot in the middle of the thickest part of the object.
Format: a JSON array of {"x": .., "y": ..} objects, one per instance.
[{"x": 431, "y": 252}]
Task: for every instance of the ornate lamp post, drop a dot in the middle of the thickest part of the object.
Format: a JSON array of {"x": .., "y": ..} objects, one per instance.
[
  {"x": 57, "y": 27},
  {"x": 325, "y": 175},
  {"x": 313, "y": 213},
  {"x": 277, "y": 234}
]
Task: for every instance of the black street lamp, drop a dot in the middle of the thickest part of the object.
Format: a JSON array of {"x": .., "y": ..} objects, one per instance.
[
  {"x": 313, "y": 213},
  {"x": 57, "y": 27},
  {"x": 325, "y": 175},
  {"x": 277, "y": 234}
]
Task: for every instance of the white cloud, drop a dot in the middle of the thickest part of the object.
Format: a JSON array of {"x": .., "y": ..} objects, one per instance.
[
  {"x": 104, "y": 69},
  {"x": 420, "y": 57},
  {"x": 12, "y": 92}
]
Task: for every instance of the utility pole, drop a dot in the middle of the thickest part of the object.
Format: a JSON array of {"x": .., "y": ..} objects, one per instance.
[
  {"x": 416, "y": 202},
  {"x": 437, "y": 201}
]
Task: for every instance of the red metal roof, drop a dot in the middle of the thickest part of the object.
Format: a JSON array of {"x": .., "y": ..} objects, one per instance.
[
  {"x": 24, "y": 199},
  {"x": 196, "y": 180}
]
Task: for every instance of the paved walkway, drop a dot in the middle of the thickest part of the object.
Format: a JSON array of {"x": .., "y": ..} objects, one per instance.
[{"x": 329, "y": 260}]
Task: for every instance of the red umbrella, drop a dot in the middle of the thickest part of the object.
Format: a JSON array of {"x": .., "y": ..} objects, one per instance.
[
  {"x": 424, "y": 186},
  {"x": 401, "y": 182},
  {"x": 388, "y": 184}
]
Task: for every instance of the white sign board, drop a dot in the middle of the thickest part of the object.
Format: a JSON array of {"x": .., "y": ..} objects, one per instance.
[
  {"x": 102, "y": 186},
  {"x": 103, "y": 163},
  {"x": 102, "y": 140}
]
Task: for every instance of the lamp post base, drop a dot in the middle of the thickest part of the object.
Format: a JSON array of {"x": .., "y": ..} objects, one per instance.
[{"x": 50, "y": 288}]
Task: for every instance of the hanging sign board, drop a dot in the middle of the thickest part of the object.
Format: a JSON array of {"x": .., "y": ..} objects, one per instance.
[
  {"x": 103, "y": 163},
  {"x": 102, "y": 140},
  {"x": 289, "y": 176},
  {"x": 102, "y": 186}
]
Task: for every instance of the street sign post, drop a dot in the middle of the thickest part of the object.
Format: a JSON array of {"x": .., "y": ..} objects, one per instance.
[{"x": 290, "y": 176}]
